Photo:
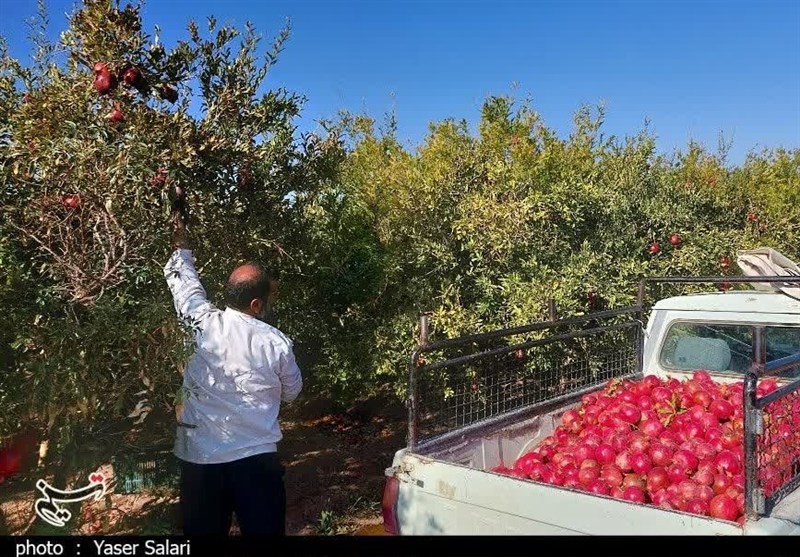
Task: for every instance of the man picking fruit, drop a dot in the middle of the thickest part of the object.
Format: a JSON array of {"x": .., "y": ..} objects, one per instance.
[{"x": 240, "y": 372}]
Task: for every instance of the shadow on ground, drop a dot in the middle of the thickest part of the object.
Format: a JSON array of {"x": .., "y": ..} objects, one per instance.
[{"x": 335, "y": 467}]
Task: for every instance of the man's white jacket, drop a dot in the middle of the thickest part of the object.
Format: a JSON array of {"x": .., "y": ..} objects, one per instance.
[{"x": 241, "y": 370}]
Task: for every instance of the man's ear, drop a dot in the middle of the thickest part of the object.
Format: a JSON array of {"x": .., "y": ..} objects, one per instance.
[{"x": 256, "y": 306}]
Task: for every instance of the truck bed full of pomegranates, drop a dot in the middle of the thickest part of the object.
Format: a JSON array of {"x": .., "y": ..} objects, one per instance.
[{"x": 673, "y": 444}]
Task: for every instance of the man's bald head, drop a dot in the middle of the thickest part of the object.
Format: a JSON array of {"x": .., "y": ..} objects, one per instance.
[
  {"x": 246, "y": 273},
  {"x": 247, "y": 284}
]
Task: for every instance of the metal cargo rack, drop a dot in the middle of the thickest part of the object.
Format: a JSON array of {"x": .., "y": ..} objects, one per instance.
[
  {"x": 482, "y": 376},
  {"x": 474, "y": 380}
]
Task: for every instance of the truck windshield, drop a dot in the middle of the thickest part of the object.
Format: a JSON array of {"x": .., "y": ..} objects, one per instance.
[{"x": 728, "y": 348}]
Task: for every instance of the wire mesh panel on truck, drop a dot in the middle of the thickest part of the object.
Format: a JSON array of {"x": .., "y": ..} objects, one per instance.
[
  {"x": 772, "y": 425},
  {"x": 464, "y": 381},
  {"x": 778, "y": 447},
  {"x": 772, "y": 434}
]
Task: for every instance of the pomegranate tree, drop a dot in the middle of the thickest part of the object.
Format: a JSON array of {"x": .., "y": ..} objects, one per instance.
[{"x": 90, "y": 151}]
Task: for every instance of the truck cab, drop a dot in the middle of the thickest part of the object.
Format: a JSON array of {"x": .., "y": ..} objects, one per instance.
[{"x": 714, "y": 332}]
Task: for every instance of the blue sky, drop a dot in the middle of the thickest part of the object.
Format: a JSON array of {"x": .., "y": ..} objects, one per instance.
[{"x": 693, "y": 68}]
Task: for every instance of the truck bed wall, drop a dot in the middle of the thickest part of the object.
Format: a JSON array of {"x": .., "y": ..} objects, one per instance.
[{"x": 499, "y": 441}]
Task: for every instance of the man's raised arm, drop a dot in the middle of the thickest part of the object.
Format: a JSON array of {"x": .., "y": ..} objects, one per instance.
[{"x": 188, "y": 294}]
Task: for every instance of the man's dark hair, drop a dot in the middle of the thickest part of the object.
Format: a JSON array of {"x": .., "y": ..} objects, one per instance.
[{"x": 239, "y": 292}]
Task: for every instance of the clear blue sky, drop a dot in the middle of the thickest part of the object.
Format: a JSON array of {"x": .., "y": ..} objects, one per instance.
[{"x": 693, "y": 67}]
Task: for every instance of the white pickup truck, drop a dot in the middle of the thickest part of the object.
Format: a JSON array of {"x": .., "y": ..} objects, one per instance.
[{"x": 487, "y": 400}]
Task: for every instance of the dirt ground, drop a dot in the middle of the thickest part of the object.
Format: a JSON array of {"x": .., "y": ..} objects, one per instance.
[
  {"x": 335, "y": 472},
  {"x": 334, "y": 482}
]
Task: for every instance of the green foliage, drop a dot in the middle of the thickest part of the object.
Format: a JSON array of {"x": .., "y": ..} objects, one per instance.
[
  {"x": 481, "y": 230},
  {"x": 89, "y": 332}
]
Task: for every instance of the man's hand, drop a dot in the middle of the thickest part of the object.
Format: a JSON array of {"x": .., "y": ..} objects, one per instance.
[
  {"x": 177, "y": 198},
  {"x": 179, "y": 236}
]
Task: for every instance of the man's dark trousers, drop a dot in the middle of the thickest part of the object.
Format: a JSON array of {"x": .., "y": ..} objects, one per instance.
[{"x": 252, "y": 487}]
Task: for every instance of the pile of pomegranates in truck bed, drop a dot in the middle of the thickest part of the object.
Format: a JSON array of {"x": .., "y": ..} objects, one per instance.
[{"x": 668, "y": 443}]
